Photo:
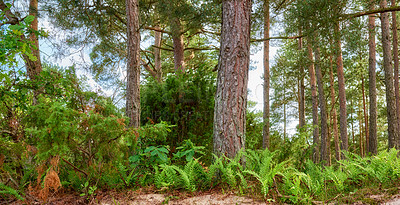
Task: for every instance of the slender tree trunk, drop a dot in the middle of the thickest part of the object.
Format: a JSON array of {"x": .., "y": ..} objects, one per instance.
[
  {"x": 373, "y": 139},
  {"x": 333, "y": 112},
  {"x": 360, "y": 124},
  {"x": 387, "y": 65},
  {"x": 302, "y": 115},
  {"x": 396, "y": 67},
  {"x": 314, "y": 104},
  {"x": 342, "y": 91},
  {"x": 322, "y": 107},
  {"x": 33, "y": 67},
  {"x": 231, "y": 95},
  {"x": 266, "y": 114},
  {"x": 365, "y": 116},
  {"x": 177, "y": 38},
  {"x": 157, "y": 55},
  {"x": 133, "y": 64}
]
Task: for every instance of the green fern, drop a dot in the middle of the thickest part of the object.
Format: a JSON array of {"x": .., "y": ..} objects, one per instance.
[
  {"x": 10, "y": 191},
  {"x": 264, "y": 169}
]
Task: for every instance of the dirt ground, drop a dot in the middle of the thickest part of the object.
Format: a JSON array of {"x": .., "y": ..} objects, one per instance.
[{"x": 140, "y": 197}]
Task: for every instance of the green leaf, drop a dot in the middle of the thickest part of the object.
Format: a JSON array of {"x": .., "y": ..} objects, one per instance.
[{"x": 29, "y": 19}]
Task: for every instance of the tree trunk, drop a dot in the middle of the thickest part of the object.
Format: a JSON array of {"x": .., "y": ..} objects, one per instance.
[
  {"x": 314, "y": 104},
  {"x": 373, "y": 139},
  {"x": 396, "y": 66},
  {"x": 302, "y": 115},
  {"x": 342, "y": 91},
  {"x": 33, "y": 67},
  {"x": 360, "y": 125},
  {"x": 333, "y": 112},
  {"x": 322, "y": 107},
  {"x": 387, "y": 65},
  {"x": 266, "y": 114},
  {"x": 177, "y": 38},
  {"x": 133, "y": 64},
  {"x": 365, "y": 116},
  {"x": 231, "y": 96},
  {"x": 157, "y": 55}
]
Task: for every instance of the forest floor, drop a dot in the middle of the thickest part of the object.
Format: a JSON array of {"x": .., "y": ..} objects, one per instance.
[{"x": 212, "y": 197}]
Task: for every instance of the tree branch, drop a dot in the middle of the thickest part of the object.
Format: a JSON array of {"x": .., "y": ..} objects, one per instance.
[
  {"x": 165, "y": 49},
  {"x": 75, "y": 168},
  {"x": 12, "y": 19},
  {"x": 376, "y": 11},
  {"x": 157, "y": 29},
  {"x": 276, "y": 37}
]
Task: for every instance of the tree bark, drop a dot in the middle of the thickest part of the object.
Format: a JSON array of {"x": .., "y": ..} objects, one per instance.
[
  {"x": 342, "y": 91},
  {"x": 373, "y": 139},
  {"x": 314, "y": 104},
  {"x": 396, "y": 66},
  {"x": 33, "y": 67},
  {"x": 231, "y": 95},
  {"x": 133, "y": 64},
  {"x": 387, "y": 65},
  {"x": 157, "y": 55},
  {"x": 333, "y": 112},
  {"x": 266, "y": 114},
  {"x": 177, "y": 38},
  {"x": 322, "y": 107}
]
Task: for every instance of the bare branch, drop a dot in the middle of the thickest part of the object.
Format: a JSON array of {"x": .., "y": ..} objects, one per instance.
[
  {"x": 376, "y": 11},
  {"x": 276, "y": 37}
]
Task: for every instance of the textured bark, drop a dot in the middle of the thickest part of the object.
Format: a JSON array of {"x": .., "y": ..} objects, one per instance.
[
  {"x": 266, "y": 114},
  {"x": 133, "y": 64},
  {"x": 333, "y": 112},
  {"x": 314, "y": 104},
  {"x": 231, "y": 96},
  {"x": 373, "y": 139},
  {"x": 177, "y": 38},
  {"x": 33, "y": 67},
  {"x": 342, "y": 91},
  {"x": 322, "y": 107},
  {"x": 396, "y": 66},
  {"x": 387, "y": 65},
  {"x": 157, "y": 55}
]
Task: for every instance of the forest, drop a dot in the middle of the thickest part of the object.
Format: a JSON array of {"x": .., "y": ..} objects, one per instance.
[{"x": 155, "y": 100}]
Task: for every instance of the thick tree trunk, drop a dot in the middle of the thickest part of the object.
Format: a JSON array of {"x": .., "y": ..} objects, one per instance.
[
  {"x": 373, "y": 139},
  {"x": 231, "y": 95},
  {"x": 387, "y": 65},
  {"x": 157, "y": 55},
  {"x": 396, "y": 66},
  {"x": 333, "y": 112},
  {"x": 342, "y": 91},
  {"x": 266, "y": 114},
  {"x": 177, "y": 38},
  {"x": 322, "y": 107},
  {"x": 133, "y": 64},
  {"x": 314, "y": 104}
]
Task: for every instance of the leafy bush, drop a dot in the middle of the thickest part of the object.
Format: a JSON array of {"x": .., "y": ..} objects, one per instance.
[{"x": 185, "y": 100}]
